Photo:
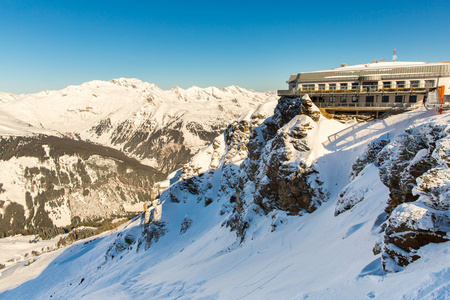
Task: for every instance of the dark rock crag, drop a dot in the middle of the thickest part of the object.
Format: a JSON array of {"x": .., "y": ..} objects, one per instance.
[
  {"x": 260, "y": 171},
  {"x": 415, "y": 169}
]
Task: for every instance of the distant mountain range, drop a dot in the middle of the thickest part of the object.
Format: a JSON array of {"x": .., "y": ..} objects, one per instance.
[
  {"x": 162, "y": 129},
  {"x": 95, "y": 150}
]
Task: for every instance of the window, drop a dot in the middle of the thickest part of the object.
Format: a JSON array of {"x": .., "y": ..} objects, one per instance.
[
  {"x": 354, "y": 85},
  {"x": 370, "y": 99},
  {"x": 371, "y": 85},
  {"x": 355, "y": 99},
  {"x": 415, "y": 83},
  {"x": 385, "y": 99},
  {"x": 398, "y": 99},
  {"x": 400, "y": 84},
  {"x": 344, "y": 86},
  {"x": 332, "y": 86},
  {"x": 332, "y": 99},
  {"x": 308, "y": 87},
  {"x": 314, "y": 99},
  {"x": 386, "y": 84},
  {"x": 343, "y": 99},
  {"x": 321, "y": 99},
  {"x": 429, "y": 83},
  {"x": 321, "y": 87},
  {"x": 413, "y": 99}
]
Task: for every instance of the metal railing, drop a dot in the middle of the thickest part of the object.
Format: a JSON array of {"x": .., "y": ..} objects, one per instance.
[{"x": 365, "y": 105}]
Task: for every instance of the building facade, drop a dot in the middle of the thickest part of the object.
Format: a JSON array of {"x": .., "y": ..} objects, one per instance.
[{"x": 376, "y": 84}]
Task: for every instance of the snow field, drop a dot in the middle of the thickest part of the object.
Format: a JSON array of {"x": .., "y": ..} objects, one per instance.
[{"x": 315, "y": 256}]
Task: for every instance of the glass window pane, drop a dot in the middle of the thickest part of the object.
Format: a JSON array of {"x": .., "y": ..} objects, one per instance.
[{"x": 429, "y": 83}]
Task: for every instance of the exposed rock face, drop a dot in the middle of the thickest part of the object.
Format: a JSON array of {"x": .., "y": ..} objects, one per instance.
[
  {"x": 264, "y": 166},
  {"x": 409, "y": 227},
  {"x": 415, "y": 168},
  {"x": 279, "y": 159},
  {"x": 137, "y": 238},
  {"x": 49, "y": 181}
]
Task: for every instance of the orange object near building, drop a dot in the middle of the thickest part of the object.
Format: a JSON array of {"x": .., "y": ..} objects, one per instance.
[{"x": 441, "y": 93}]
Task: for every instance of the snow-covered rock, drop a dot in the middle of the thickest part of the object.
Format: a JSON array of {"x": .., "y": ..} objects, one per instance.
[
  {"x": 266, "y": 164},
  {"x": 415, "y": 168}
]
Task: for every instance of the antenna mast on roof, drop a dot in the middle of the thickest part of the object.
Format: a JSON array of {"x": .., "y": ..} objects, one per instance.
[{"x": 394, "y": 56}]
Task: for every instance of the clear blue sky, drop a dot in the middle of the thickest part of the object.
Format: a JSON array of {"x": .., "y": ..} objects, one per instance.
[{"x": 47, "y": 45}]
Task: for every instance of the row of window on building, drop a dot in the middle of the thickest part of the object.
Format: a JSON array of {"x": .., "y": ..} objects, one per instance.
[
  {"x": 374, "y": 85},
  {"x": 368, "y": 99}
]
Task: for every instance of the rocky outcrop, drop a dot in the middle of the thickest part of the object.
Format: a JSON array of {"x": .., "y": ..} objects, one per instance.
[
  {"x": 409, "y": 227},
  {"x": 265, "y": 166},
  {"x": 415, "y": 168},
  {"x": 135, "y": 238},
  {"x": 279, "y": 161}
]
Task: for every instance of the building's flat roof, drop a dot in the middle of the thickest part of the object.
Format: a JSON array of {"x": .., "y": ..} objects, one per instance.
[
  {"x": 387, "y": 70},
  {"x": 382, "y": 65}
]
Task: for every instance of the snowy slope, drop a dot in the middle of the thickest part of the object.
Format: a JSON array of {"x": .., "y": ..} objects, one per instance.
[
  {"x": 221, "y": 237},
  {"x": 6, "y": 97}
]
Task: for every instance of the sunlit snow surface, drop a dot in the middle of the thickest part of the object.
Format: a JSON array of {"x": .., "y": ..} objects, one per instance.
[
  {"x": 111, "y": 113},
  {"x": 316, "y": 256}
]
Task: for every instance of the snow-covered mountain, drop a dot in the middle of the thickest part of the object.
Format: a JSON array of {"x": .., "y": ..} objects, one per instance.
[
  {"x": 65, "y": 154},
  {"x": 162, "y": 129},
  {"x": 7, "y": 97},
  {"x": 285, "y": 204}
]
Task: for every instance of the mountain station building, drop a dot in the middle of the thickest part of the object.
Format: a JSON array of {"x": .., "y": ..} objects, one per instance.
[{"x": 376, "y": 86}]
